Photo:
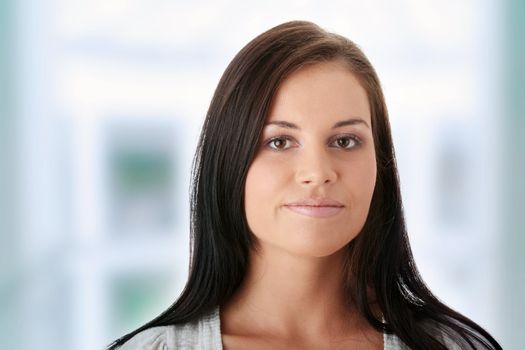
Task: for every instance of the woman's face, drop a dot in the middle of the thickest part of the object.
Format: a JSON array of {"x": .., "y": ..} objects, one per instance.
[{"x": 309, "y": 188}]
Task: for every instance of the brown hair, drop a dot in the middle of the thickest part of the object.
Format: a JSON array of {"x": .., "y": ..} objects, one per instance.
[{"x": 380, "y": 268}]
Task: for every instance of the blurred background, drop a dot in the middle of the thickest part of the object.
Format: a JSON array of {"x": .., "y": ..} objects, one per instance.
[{"x": 101, "y": 103}]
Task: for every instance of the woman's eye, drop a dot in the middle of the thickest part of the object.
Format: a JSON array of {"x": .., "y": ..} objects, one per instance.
[
  {"x": 347, "y": 142},
  {"x": 278, "y": 143}
]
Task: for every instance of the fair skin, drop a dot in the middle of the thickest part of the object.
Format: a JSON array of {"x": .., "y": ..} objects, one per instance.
[{"x": 292, "y": 295}]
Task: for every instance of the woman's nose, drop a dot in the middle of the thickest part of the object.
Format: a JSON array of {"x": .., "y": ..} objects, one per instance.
[{"x": 315, "y": 168}]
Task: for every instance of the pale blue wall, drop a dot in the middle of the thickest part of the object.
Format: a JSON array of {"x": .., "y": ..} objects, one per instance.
[
  {"x": 10, "y": 316},
  {"x": 513, "y": 186}
]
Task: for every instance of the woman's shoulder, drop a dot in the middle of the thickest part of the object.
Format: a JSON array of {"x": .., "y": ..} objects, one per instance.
[
  {"x": 471, "y": 338},
  {"x": 155, "y": 338},
  {"x": 203, "y": 333},
  {"x": 446, "y": 335}
]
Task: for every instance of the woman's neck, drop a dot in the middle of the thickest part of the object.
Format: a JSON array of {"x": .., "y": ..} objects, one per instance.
[{"x": 289, "y": 296}]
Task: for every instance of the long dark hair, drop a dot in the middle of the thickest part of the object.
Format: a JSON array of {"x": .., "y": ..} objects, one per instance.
[{"x": 379, "y": 266}]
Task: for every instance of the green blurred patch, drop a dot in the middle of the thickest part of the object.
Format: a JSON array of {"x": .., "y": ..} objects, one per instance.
[
  {"x": 139, "y": 172},
  {"x": 136, "y": 299}
]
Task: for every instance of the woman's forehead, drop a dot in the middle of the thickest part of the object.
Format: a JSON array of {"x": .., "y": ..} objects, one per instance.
[{"x": 327, "y": 92}]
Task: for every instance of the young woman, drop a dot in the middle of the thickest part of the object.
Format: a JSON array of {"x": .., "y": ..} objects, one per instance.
[{"x": 298, "y": 234}]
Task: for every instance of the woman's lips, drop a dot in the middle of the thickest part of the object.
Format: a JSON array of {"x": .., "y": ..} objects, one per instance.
[{"x": 315, "y": 211}]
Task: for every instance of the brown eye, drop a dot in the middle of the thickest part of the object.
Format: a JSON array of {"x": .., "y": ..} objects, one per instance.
[
  {"x": 343, "y": 142},
  {"x": 347, "y": 142},
  {"x": 278, "y": 143}
]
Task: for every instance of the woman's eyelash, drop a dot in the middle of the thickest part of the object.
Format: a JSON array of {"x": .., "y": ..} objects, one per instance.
[{"x": 353, "y": 138}]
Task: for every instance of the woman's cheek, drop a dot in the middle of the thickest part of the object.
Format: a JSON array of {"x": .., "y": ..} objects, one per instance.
[
  {"x": 265, "y": 187},
  {"x": 262, "y": 179}
]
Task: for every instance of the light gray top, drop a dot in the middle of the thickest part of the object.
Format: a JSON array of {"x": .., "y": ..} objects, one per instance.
[{"x": 205, "y": 334}]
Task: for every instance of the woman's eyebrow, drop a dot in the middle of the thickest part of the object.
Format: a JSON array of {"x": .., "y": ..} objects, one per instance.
[{"x": 339, "y": 124}]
